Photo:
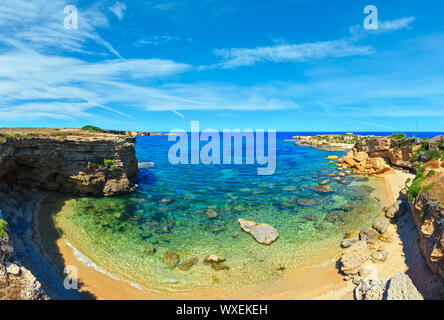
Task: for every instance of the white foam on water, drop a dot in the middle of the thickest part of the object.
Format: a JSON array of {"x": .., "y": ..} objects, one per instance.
[{"x": 89, "y": 263}]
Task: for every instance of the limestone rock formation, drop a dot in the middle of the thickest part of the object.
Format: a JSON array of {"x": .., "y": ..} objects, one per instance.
[
  {"x": 261, "y": 232},
  {"x": 370, "y": 289},
  {"x": 74, "y": 165},
  {"x": 397, "y": 210},
  {"x": 400, "y": 287},
  {"x": 429, "y": 219},
  {"x": 354, "y": 257}
]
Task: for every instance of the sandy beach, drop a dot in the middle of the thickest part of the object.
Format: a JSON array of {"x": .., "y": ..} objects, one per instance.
[{"x": 318, "y": 278}]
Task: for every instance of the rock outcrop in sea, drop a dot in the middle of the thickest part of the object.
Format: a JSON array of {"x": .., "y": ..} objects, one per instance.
[{"x": 261, "y": 232}]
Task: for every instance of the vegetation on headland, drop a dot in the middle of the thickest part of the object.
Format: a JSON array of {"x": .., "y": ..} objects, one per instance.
[
  {"x": 91, "y": 128},
  {"x": 399, "y": 136},
  {"x": 3, "y": 226}
]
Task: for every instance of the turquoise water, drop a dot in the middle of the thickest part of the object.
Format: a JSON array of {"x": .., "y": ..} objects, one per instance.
[{"x": 117, "y": 233}]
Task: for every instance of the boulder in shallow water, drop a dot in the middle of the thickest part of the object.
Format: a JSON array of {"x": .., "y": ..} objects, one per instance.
[
  {"x": 186, "y": 265},
  {"x": 211, "y": 213},
  {"x": 261, "y": 232},
  {"x": 149, "y": 251},
  {"x": 219, "y": 266},
  {"x": 307, "y": 202},
  {"x": 332, "y": 158},
  {"x": 212, "y": 258},
  {"x": 321, "y": 189},
  {"x": 171, "y": 259}
]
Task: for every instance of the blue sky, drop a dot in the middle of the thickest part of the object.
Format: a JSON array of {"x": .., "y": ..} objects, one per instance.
[{"x": 300, "y": 65}]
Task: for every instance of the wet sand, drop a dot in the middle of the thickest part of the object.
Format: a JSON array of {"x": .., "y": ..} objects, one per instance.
[{"x": 318, "y": 278}]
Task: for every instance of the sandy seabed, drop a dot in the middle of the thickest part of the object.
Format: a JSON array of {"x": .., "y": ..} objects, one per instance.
[{"x": 318, "y": 278}]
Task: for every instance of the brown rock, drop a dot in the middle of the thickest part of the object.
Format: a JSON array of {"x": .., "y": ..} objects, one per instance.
[
  {"x": 171, "y": 259},
  {"x": 354, "y": 257}
]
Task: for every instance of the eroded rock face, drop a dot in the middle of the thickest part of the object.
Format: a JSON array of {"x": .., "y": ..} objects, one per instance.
[
  {"x": 401, "y": 287},
  {"x": 370, "y": 289},
  {"x": 80, "y": 167},
  {"x": 429, "y": 219},
  {"x": 376, "y": 155},
  {"x": 261, "y": 232},
  {"x": 354, "y": 257}
]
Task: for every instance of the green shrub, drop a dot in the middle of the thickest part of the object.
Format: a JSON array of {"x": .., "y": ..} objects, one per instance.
[
  {"x": 414, "y": 190},
  {"x": 3, "y": 226},
  {"x": 91, "y": 128},
  {"x": 107, "y": 161},
  {"x": 422, "y": 214},
  {"x": 399, "y": 136},
  {"x": 113, "y": 166}
]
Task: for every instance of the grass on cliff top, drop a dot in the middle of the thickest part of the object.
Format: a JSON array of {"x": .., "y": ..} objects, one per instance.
[
  {"x": 430, "y": 180},
  {"x": 55, "y": 133},
  {"x": 3, "y": 226}
]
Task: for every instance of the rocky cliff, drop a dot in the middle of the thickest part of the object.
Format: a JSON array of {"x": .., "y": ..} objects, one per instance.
[
  {"x": 427, "y": 203},
  {"x": 81, "y": 165},
  {"x": 376, "y": 155}
]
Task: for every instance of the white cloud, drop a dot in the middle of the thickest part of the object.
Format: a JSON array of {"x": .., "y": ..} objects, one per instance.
[
  {"x": 297, "y": 52},
  {"x": 119, "y": 9},
  {"x": 385, "y": 26},
  {"x": 40, "y": 24}
]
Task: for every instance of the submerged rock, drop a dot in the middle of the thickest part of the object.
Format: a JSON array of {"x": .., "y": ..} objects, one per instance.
[
  {"x": 307, "y": 202},
  {"x": 149, "y": 251},
  {"x": 212, "y": 258},
  {"x": 165, "y": 201},
  {"x": 171, "y": 259},
  {"x": 219, "y": 266},
  {"x": 211, "y": 213},
  {"x": 261, "y": 232},
  {"x": 321, "y": 189},
  {"x": 186, "y": 265}
]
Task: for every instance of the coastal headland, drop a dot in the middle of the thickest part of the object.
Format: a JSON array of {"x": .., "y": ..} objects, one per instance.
[{"x": 37, "y": 166}]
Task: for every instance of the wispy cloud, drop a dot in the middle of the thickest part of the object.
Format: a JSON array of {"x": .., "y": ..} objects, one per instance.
[
  {"x": 40, "y": 24},
  {"x": 385, "y": 26},
  {"x": 119, "y": 9},
  {"x": 297, "y": 52}
]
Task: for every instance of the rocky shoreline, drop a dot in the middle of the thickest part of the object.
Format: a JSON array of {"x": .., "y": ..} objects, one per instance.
[
  {"x": 376, "y": 156},
  {"x": 28, "y": 164}
]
